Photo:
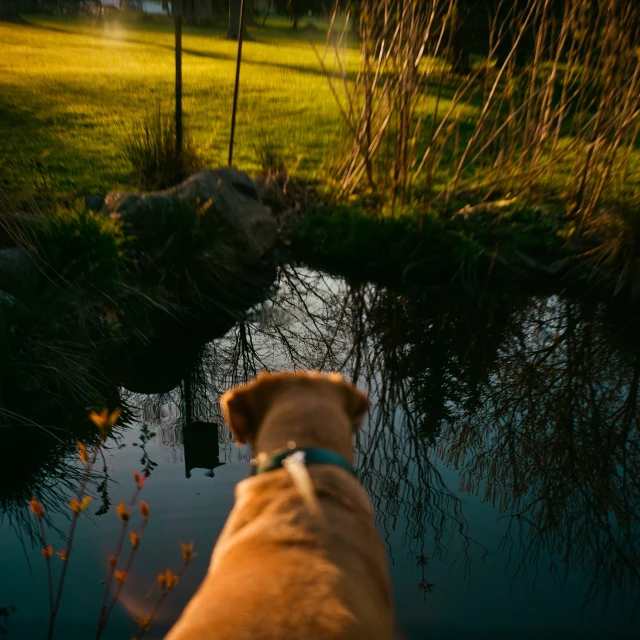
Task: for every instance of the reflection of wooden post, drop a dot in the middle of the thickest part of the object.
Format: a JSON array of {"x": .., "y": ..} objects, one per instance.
[
  {"x": 201, "y": 447},
  {"x": 237, "y": 86},
  {"x": 178, "y": 26}
]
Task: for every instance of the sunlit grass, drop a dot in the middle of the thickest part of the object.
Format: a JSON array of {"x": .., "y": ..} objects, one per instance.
[{"x": 70, "y": 91}]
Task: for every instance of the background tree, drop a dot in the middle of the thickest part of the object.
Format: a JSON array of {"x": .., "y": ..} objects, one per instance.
[
  {"x": 298, "y": 8},
  {"x": 9, "y": 10},
  {"x": 234, "y": 19}
]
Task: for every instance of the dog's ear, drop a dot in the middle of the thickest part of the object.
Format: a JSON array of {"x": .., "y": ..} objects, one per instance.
[
  {"x": 243, "y": 406},
  {"x": 356, "y": 401},
  {"x": 239, "y": 413},
  {"x": 357, "y": 406}
]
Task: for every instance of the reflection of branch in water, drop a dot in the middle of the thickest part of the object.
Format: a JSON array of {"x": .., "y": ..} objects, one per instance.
[
  {"x": 555, "y": 446},
  {"x": 395, "y": 451}
]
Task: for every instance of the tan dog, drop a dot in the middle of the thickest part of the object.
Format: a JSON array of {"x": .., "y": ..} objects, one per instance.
[{"x": 278, "y": 570}]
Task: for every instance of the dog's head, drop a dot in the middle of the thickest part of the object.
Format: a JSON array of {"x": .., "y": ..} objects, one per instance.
[{"x": 245, "y": 406}]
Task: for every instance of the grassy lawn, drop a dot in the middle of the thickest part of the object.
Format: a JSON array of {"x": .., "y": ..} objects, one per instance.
[{"x": 70, "y": 91}]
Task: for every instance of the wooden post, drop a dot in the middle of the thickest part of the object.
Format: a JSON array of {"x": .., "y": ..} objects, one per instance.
[
  {"x": 178, "y": 26},
  {"x": 237, "y": 86}
]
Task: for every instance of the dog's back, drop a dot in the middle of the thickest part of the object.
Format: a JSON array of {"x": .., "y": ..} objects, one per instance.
[{"x": 281, "y": 571}]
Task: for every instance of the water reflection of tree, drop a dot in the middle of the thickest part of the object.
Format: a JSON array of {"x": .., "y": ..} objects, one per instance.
[
  {"x": 39, "y": 460},
  {"x": 420, "y": 355},
  {"x": 318, "y": 322},
  {"x": 528, "y": 399},
  {"x": 554, "y": 444}
]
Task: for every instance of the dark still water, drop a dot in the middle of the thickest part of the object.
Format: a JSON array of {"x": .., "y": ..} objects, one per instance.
[{"x": 501, "y": 454}]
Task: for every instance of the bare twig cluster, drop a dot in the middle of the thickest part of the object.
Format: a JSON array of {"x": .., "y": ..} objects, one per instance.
[{"x": 550, "y": 102}]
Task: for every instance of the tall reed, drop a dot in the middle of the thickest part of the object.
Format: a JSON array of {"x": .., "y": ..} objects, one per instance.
[{"x": 550, "y": 105}]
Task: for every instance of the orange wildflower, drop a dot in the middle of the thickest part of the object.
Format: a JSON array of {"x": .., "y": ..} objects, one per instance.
[
  {"x": 78, "y": 507},
  {"x": 112, "y": 561},
  {"x": 120, "y": 576},
  {"x": 143, "y": 623},
  {"x": 167, "y": 580},
  {"x": 139, "y": 478},
  {"x": 123, "y": 512},
  {"x": 187, "y": 551},
  {"x": 62, "y": 555},
  {"x": 36, "y": 508},
  {"x": 105, "y": 420},
  {"x": 135, "y": 539},
  {"x": 82, "y": 452},
  {"x": 47, "y": 552},
  {"x": 162, "y": 581},
  {"x": 144, "y": 509}
]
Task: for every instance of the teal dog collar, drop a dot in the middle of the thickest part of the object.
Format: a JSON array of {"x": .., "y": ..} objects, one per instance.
[{"x": 308, "y": 455}]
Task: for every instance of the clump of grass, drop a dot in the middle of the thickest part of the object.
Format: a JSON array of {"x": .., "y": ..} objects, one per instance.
[
  {"x": 559, "y": 113},
  {"x": 270, "y": 155},
  {"x": 80, "y": 245},
  {"x": 152, "y": 153},
  {"x": 273, "y": 177}
]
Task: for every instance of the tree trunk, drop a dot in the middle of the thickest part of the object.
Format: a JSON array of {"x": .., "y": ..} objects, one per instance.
[
  {"x": 205, "y": 12},
  {"x": 9, "y": 10},
  {"x": 234, "y": 19}
]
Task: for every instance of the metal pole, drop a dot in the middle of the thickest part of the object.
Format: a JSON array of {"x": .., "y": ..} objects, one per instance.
[
  {"x": 237, "y": 87},
  {"x": 178, "y": 19}
]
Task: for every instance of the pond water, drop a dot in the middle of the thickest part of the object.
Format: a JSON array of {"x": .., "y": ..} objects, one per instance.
[{"x": 501, "y": 455}]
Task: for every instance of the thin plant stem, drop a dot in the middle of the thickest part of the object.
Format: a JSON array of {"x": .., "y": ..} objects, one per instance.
[
  {"x": 72, "y": 530},
  {"x": 163, "y": 596},
  {"x": 114, "y": 563},
  {"x": 126, "y": 570},
  {"x": 49, "y": 577}
]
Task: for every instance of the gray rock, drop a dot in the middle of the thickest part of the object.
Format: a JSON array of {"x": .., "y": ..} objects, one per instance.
[
  {"x": 226, "y": 194},
  {"x": 19, "y": 274}
]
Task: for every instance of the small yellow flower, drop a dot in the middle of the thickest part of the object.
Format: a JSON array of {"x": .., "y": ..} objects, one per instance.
[
  {"x": 47, "y": 552},
  {"x": 105, "y": 420},
  {"x": 36, "y": 508},
  {"x": 123, "y": 512},
  {"x": 135, "y": 539},
  {"x": 82, "y": 452},
  {"x": 187, "y": 551},
  {"x": 78, "y": 507},
  {"x": 144, "y": 509},
  {"x": 120, "y": 576},
  {"x": 62, "y": 555}
]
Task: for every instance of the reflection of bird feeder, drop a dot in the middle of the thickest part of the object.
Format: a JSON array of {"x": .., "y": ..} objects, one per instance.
[{"x": 201, "y": 447}]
